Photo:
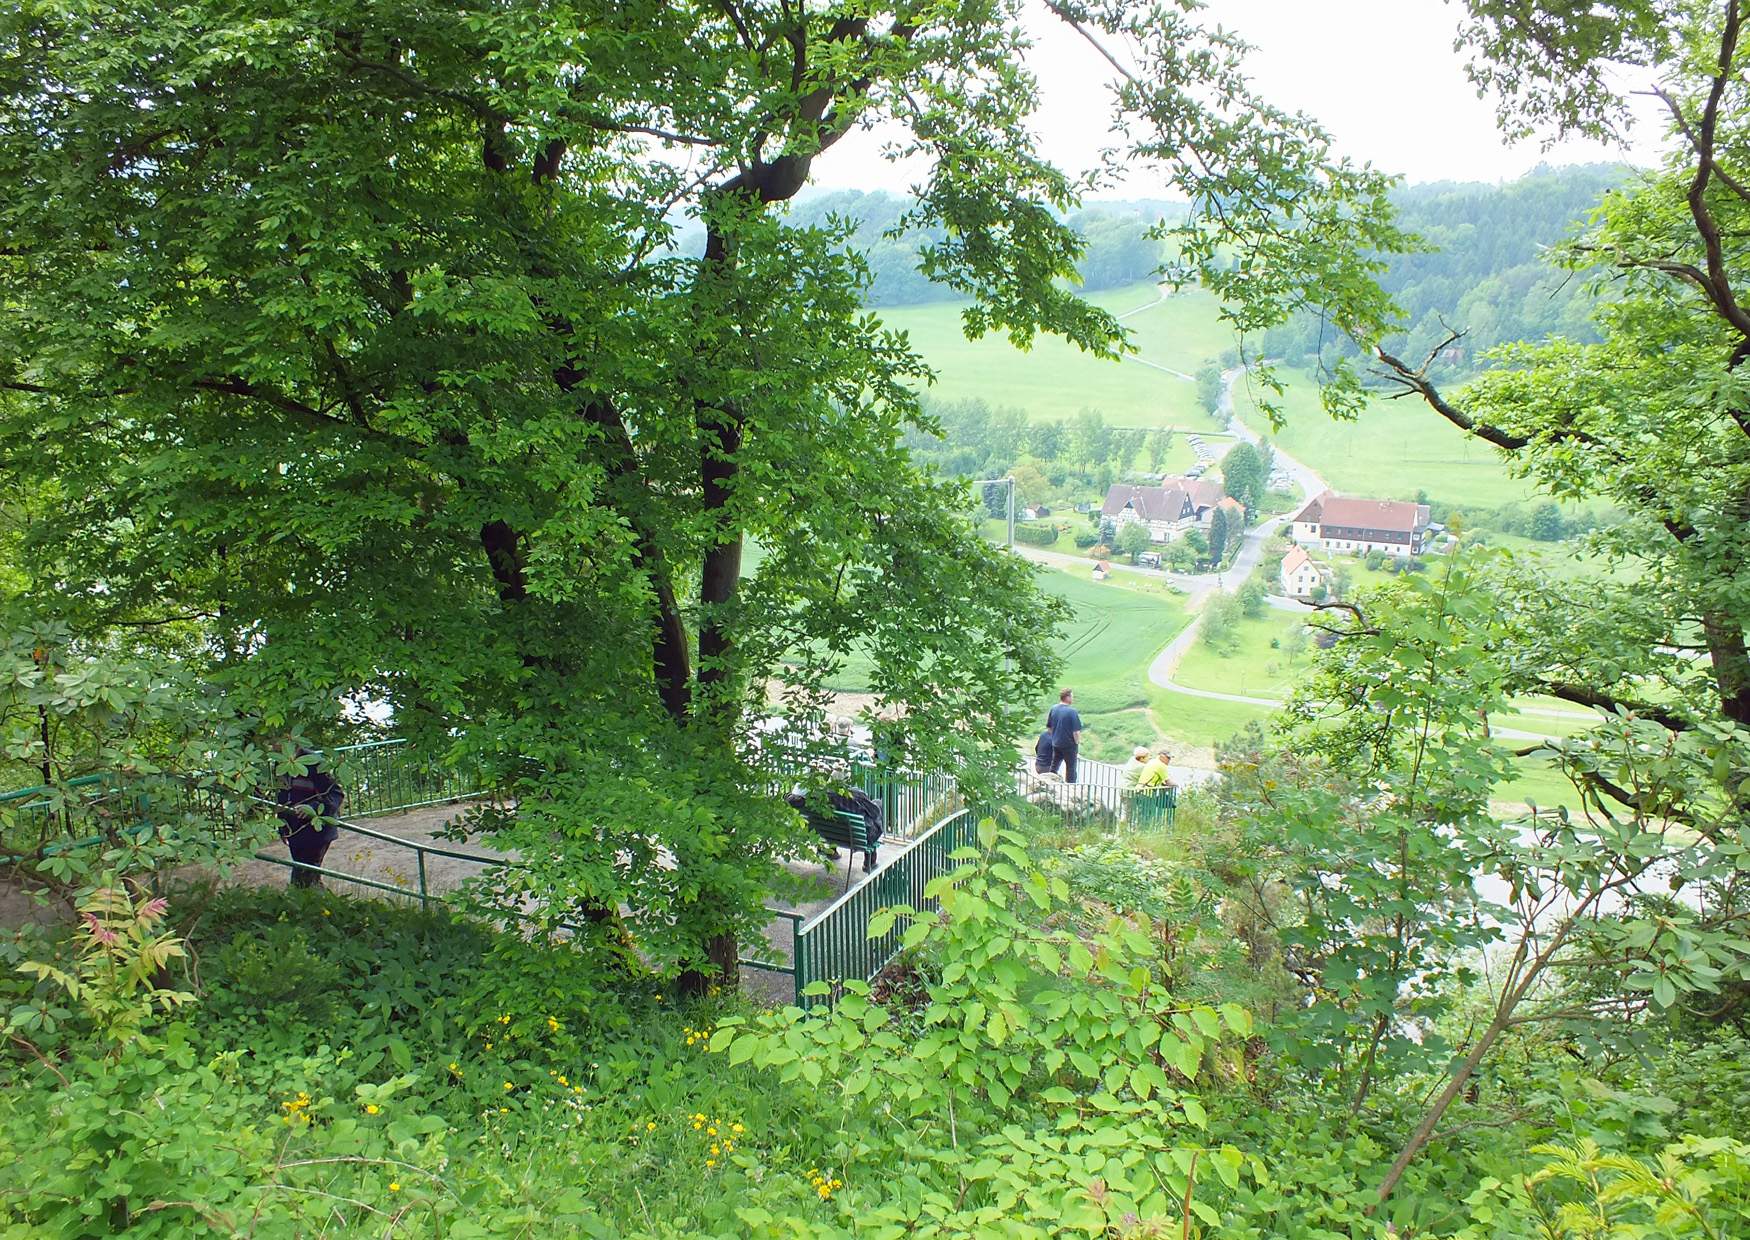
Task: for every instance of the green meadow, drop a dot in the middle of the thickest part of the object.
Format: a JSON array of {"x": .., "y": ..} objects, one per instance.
[
  {"x": 1054, "y": 380},
  {"x": 1391, "y": 451}
]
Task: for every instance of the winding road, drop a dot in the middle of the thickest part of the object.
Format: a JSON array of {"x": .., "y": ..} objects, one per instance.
[{"x": 1198, "y": 587}]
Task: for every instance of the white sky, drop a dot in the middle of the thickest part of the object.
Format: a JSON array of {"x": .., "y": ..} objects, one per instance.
[{"x": 1380, "y": 75}]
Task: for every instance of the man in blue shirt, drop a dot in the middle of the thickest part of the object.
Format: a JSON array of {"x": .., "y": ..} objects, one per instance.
[{"x": 1065, "y": 727}]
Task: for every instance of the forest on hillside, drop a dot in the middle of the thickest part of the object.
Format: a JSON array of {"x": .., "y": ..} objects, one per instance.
[
  {"x": 1483, "y": 269},
  {"x": 1118, "y": 247}
]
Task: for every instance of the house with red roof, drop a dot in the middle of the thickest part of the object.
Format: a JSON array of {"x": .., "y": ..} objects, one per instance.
[
  {"x": 1301, "y": 575},
  {"x": 1355, "y": 526},
  {"x": 1167, "y": 510}
]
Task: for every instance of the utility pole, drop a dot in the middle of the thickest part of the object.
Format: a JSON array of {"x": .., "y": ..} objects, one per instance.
[{"x": 1009, "y": 507}]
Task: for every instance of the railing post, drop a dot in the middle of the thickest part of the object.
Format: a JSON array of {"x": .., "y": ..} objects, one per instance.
[
  {"x": 799, "y": 959},
  {"x": 424, "y": 904}
]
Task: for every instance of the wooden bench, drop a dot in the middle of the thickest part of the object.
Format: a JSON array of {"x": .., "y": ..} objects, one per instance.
[{"x": 843, "y": 828}]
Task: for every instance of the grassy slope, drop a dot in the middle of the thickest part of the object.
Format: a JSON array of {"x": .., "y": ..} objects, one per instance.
[
  {"x": 1118, "y": 627},
  {"x": 1251, "y": 666},
  {"x": 1053, "y": 379},
  {"x": 1391, "y": 451}
]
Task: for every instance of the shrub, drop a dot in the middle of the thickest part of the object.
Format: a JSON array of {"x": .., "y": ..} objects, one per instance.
[
  {"x": 1035, "y": 534},
  {"x": 1086, "y": 538}
]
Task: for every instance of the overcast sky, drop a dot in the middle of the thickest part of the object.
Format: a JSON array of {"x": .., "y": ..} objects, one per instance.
[{"x": 1380, "y": 75}]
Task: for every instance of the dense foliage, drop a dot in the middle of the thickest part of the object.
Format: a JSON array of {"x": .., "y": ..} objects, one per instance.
[
  {"x": 354, "y": 337},
  {"x": 1087, "y": 1039}
]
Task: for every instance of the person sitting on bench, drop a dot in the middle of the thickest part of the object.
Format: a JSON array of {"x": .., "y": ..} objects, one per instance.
[{"x": 849, "y": 801}]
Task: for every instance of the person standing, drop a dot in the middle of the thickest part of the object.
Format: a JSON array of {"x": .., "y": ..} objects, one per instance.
[
  {"x": 308, "y": 804},
  {"x": 1065, "y": 726}
]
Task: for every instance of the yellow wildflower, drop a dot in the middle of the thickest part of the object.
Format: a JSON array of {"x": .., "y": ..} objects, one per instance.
[
  {"x": 711, "y": 1131},
  {"x": 372, "y": 1108},
  {"x": 394, "y": 1186},
  {"x": 650, "y": 1127},
  {"x": 563, "y": 1081},
  {"x": 508, "y": 1086},
  {"x": 710, "y": 1162},
  {"x": 737, "y": 1129}
]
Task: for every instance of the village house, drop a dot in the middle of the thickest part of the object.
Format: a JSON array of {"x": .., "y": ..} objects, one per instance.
[
  {"x": 1344, "y": 523},
  {"x": 1301, "y": 575},
  {"x": 1167, "y": 510}
]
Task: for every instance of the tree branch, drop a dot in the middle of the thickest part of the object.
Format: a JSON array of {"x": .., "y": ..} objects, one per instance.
[{"x": 1583, "y": 695}]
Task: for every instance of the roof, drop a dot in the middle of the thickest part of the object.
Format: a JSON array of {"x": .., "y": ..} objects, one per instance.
[
  {"x": 1368, "y": 514},
  {"x": 1228, "y": 501},
  {"x": 1162, "y": 503},
  {"x": 1314, "y": 507},
  {"x": 1295, "y": 560}
]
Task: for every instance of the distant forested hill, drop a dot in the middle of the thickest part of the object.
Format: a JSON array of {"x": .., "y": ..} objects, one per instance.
[
  {"x": 1119, "y": 251},
  {"x": 1486, "y": 274}
]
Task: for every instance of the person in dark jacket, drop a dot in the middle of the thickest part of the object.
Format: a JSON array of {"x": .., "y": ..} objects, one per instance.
[
  {"x": 308, "y": 804},
  {"x": 1065, "y": 726},
  {"x": 1043, "y": 753},
  {"x": 851, "y": 801}
]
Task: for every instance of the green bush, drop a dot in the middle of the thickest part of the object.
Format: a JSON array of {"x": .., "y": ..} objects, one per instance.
[
  {"x": 1086, "y": 538},
  {"x": 1035, "y": 534}
]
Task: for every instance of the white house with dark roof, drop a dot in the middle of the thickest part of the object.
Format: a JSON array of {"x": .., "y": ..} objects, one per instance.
[
  {"x": 1167, "y": 510},
  {"x": 1301, "y": 574},
  {"x": 1357, "y": 526}
]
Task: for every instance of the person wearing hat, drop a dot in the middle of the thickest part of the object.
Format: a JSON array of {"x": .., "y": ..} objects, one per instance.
[
  {"x": 1139, "y": 759},
  {"x": 1154, "y": 775}
]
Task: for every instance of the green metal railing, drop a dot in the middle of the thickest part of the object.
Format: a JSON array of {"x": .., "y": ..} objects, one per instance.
[
  {"x": 376, "y": 777},
  {"x": 378, "y": 780},
  {"x": 1102, "y": 796},
  {"x": 834, "y": 945}
]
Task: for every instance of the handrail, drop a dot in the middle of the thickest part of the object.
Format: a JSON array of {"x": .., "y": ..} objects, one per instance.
[{"x": 910, "y": 845}]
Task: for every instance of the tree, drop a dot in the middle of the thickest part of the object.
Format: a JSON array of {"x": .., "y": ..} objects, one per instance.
[
  {"x": 1649, "y": 416},
  {"x": 1126, "y": 443},
  {"x": 1160, "y": 442},
  {"x": 1218, "y": 535},
  {"x": 1045, "y": 440},
  {"x": 1244, "y": 475},
  {"x": 1198, "y": 541},
  {"x": 459, "y": 429},
  {"x": 1251, "y": 596},
  {"x": 1221, "y": 618},
  {"x": 1546, "y": 523},
  {"x": 1209, "y": 387},
  {"x": 1133, "y": 540},
  {"x": 1090, "y": 440}
]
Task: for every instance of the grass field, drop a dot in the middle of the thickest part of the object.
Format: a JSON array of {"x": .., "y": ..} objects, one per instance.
[
  {"x": 1391, "y": 451},
  {"x": 1117, "y": 629},
  {"x": 1056, "y": 380},
  {"x": 1252, "y": 666},
  {"x": 1199, "y": 721}
]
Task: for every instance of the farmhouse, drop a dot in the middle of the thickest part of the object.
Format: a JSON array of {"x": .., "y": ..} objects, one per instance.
[
  {"x": 1176, "y": 505},
  {"x": 1301, "y": 575},
  {"x": 1345, "y": 523}
]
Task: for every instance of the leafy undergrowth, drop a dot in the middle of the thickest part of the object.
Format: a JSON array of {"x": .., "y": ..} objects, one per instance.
[{"x": 1053, "y": 1055}]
